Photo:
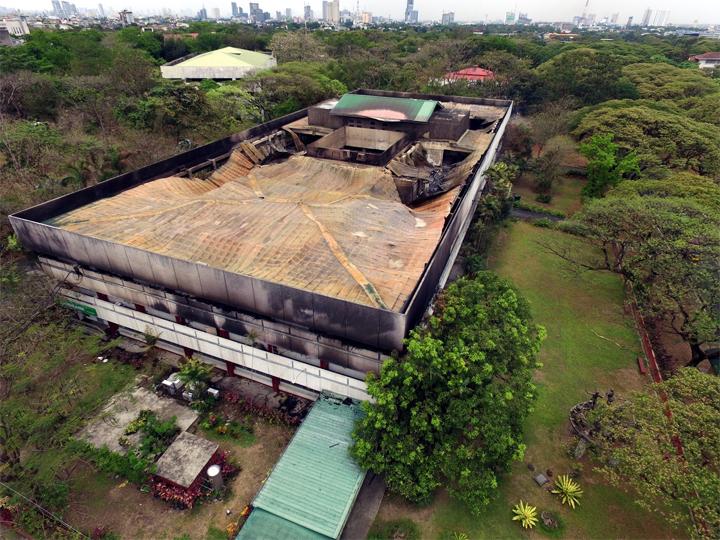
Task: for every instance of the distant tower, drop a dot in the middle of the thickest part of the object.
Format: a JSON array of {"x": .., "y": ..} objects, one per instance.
[
  {"x": 234, "y": 9},
  {"x": 646, "y": 17},
  {"x": 101, "y": 11},
  {"x": 408, "y": 10}
]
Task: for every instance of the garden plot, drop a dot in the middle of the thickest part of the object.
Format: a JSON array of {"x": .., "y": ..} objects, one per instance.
[{"x": 109, "y": 426}]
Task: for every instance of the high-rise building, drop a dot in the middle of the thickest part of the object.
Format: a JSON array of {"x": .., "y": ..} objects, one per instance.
[
  {"x": 614, "y": 18},
  {"x": 646, "y": 17},
  {"x": 202, "y": 14},
  {"x": 660, "y": 17},
  {"x": 308, "y": 13},
  {"x": 57, "y": 8},
  {"x": 630, "y": 22},
  {"x": 510, "y": 17},
  {"x": 366, "y": 17},
  {"x": 525, "y": 20},
  {"x": 126, "y": 17},
  {"x": 234, "y": 9},
  {"x": 278, "y": 15},
  {"x": 288, "y": 14},
  {"x": 448, "y": 18},
  {"x": 256, "y": 14},
  {"x": 411, "y": 14},
  {"x": 69, "y": 10},
  {"x": 216, "y": 13},
  {"x": 331, "y": 11}
]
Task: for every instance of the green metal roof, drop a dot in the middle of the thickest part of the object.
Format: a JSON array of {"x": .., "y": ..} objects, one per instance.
[
  {"x": 228, "y": 57},
  {"x": 316, "y": 481},
  {"x": 262, "y": 525},
  {"x": 386, "y": 109}
]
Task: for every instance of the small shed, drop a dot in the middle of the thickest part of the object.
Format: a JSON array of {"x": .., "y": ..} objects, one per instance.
[
  {"x": 313, "y": 487},
  {"x": 185, "y": 459}
]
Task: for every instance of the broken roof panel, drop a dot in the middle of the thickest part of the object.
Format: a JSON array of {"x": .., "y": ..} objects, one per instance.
[
  {"x": 385, "y": 109},
  {"x": 333, "y": 228}
]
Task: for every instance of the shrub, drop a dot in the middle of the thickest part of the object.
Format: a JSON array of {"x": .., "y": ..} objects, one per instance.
[
  {"x": 545, "y": 223},
  {"x": 130, "y": 466},
  {"x": 525, "y": 514},
  {"x": 406, "y": 529},
  {"x": 568, "y": 490}
]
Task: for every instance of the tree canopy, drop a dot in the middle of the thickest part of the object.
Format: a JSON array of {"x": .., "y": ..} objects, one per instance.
[
  {"x": 659, "y": 139},
  {"x": 641, "y": 447},
  {"x": 662, "y": 81},
  {"x": 588, "y": 75},
  {"x": 450, "y": 413}
]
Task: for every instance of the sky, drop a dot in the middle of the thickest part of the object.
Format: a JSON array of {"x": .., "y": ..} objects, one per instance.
[{"x": 681, "y": 11}]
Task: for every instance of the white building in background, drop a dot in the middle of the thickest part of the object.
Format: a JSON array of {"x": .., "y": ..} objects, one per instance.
[
  {"x": 448, "y": 18},
  {"x": 15, "y": 27},
  {"x": 708, "y": 60},
  {"x": 331, "y": 11}
]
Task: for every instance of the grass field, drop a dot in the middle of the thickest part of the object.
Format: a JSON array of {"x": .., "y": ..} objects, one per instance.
[{"x": 576, "y": 309}]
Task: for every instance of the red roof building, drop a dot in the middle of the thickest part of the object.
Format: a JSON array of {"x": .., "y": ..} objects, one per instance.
[
  {"x": 472, "y": 74},
  {"x": 708, "y": 60}
]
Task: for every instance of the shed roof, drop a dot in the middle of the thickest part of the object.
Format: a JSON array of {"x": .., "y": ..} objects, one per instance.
[
  {"x": 386, "y": 109},
  {"x": 228, "y": 57},
  {"x": 185, "y": 459},
  {"x": 316, "y": 481}
]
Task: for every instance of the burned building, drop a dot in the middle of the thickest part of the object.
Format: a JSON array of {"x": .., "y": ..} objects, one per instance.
[{"x": 297, "y": 253}]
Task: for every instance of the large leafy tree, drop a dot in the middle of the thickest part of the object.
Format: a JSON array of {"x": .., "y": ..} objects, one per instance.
[
  {"x": 668, "y": 248},
  {"x": 671, "y": 461},
  {"x": 606, "y": 167},
  {"x": 663, "y": 81},
  {"x": 590, "y": 76},
  {"x": 450, "y": 412},
  {"x": 660, "y": 139}
]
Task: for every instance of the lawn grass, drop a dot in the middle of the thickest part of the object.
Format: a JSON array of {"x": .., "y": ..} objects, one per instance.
[
  {"x": 565, "y": 193},
  {"x": 576, "y": 308}
]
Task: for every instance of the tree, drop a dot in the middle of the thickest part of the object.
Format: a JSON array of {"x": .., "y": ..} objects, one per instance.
[
  {"x": 290, "y": 87},
  {"x": 660, "y": 139},
  {"x": 670, "y": 460},
  {"x": 668, "y": 248},
  {"x": 586, "y": 74},
  {"x": 663, "y": 81},
  {"x": 605, "y": 168},
  {"x": 297, "y": 47},
  {"x": 451, "y": 411},
  {"x": 549, "y": 165}
]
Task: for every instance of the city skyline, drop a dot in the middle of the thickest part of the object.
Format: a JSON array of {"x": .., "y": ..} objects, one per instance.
[{"x": 702, "y": 11}]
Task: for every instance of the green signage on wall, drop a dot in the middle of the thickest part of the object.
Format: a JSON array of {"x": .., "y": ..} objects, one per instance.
[{"x": 87, "y": 310}]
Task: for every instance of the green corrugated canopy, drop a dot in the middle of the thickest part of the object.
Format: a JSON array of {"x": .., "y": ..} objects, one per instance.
[
  {"x": 386, "y": 109},
  {"x": 262, "y": 525},
  {"x": 314, "y": 484}
]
